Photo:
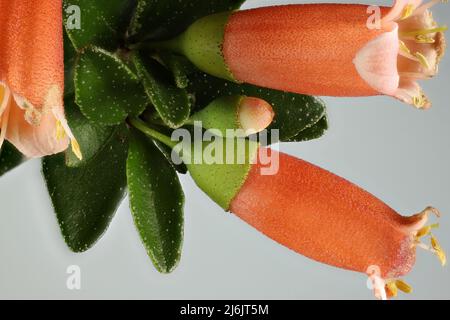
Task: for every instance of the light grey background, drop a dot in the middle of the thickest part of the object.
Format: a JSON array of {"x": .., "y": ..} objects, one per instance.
[{"x": 399, "y": 154}]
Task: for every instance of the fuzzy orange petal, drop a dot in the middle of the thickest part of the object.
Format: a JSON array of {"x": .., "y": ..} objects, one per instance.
[{"x": 32, "y": 67}]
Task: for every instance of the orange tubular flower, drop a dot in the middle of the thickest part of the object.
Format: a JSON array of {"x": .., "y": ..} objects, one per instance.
[
  {"x": 32, "y": 77},
  {"x": 331, "y": 50},
  {"x": 330, "y": 220},
  {"x": 322, "y": 49},
  {"x": 318, "y": 214}
]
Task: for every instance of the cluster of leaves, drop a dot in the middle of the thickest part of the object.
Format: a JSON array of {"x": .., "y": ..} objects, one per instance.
[{"x": 107, "y": 82}]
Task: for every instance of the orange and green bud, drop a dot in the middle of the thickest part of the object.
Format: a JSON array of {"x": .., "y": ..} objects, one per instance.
[{"x": 235, "y": 116}]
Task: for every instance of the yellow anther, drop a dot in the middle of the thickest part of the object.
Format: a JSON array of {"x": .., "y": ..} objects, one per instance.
[
  {"x": 423, "y": 32},
  {"x": 425, "y": 231},
  {"x": 404, "y": 48},
  {"x": 424, "y": 39},
  {"x": 403, "y": 286},
  {"x": 393, "y": 286},
  {"x": 76, "y": 148},
  {"x": 439, "y": 251},
  {"x": 60, "y": 132},
  {"x": 392, "y": 289},
  {"x": 423, "y": 60},
  {"x": 419, "y": 101},
  {"x": 407, "y": 12}
]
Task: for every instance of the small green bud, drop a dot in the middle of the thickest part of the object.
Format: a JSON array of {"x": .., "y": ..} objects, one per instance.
[{"x": 235, "y": 116}]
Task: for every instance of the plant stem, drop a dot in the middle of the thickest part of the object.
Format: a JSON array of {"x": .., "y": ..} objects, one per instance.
[
  {"x": 171, "y": 45},
  {"x": 152, "y": 133}
]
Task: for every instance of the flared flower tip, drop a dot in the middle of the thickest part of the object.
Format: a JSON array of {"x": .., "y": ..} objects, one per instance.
[
  {"x": 35, "y": 132},
  {"x": 416, "y": 228},
  {"x": 32, "y": 78},
  {"x": 409, "y": 51}
]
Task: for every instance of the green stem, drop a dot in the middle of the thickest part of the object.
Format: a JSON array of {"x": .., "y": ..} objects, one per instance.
[
  {"x": 170, "y": 45},
  {"x": 152, "y": 133}
]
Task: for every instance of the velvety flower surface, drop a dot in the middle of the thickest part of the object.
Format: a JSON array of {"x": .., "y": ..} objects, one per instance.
[
  {"x": 32, "y": 77},
  {"x": 336, "y": 49},
  {"x": 331, "y": 220}
]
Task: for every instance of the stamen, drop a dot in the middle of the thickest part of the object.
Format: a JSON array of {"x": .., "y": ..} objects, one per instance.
[
  {"x": 405, "y": 52},
  {"x": 392, "y": 289},
  {"x": 438, "y": 251},
  {"x": 76, "y": 148},
  {"x": 60, "y": 132},
  {"x": 404, "y": 48},
  {"x": 422, "y": 60},
  {"x": 424, "y": 39},
  {"x": 403, "y": 286},
  {"x": 407, "y": 12},
  {"x": 423, "y": 32},
  {"x": 420, "y": 102},
  {"x": 425, "y": 231}
]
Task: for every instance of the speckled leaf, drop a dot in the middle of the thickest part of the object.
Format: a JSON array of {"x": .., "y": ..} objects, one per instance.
[
  {"x": 106, "y": 90},
  {"x": 180, "y": 68},
  {"x": 70, "y": 56},
  {"x": 102, "y": 22},
  {"x": 90, "y": 136},
  {"x": 314, "y": 132},
  {"x": 167, "y": 152},
  {"x": 86, "y": 198},
  {"x": 165, "y": 18},
  {"x": 156, "y": 200},
  {"x": 9, "y": 158},
  {"x": 293, "y": 112},
  {"x": 172, "y": 103}
]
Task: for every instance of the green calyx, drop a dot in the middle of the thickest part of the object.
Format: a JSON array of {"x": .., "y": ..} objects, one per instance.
[
  {"x": 202, "y": 44},
  {"x": 219, "y": 166},
  {"x": 222, "y": 178},
  {"x": 220, "y": 115}
]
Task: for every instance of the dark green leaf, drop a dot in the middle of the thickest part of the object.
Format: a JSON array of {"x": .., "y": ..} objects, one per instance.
[
  {"x": 107, "y": 91},
  {"x": 10, "y": 158},
  {"x": 314, "y": 132},
  {"x": 102, "y": 22},
  {"x": 167, "y": 152},
  {"x": 293, "y": 112},
  {"x": 180, "y": 68},
  {"x": 172, "y": 103},
  {"x": 90, "y": 136},
  {"x": 86, "y": 198},
  {"x": 156, "y": 200},
  {"x": 156, "y": 19},
  {"x": 70, "y": 56}
]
